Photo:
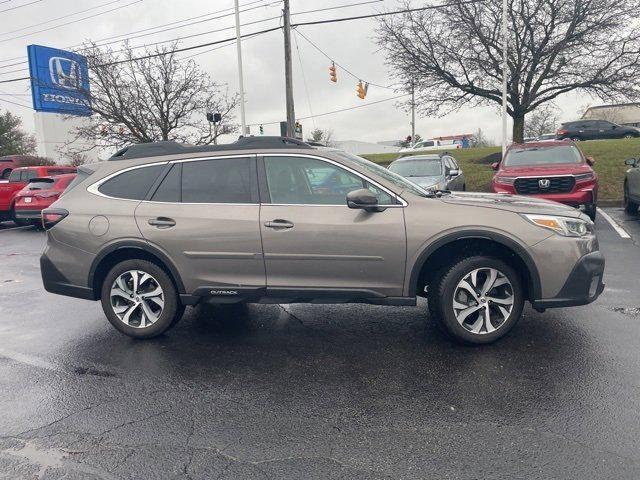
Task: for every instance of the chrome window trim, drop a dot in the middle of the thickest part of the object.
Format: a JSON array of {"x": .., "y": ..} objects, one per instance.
[
  {"x": 403, "y": 202},
  {"x": 93, "y": 188}
]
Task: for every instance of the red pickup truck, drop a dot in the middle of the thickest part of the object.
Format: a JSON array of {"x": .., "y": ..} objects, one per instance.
[{"x": 18, "y": 179}]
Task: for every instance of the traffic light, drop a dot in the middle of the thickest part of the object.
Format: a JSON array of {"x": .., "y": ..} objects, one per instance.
[
  {"x": 332, "y": 73},
  {"x": 362, "y": 90},
  {"x": 261, "y": 130}
]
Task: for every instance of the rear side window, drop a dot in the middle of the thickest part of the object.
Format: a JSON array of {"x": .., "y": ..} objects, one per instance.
[
  {"x": 133, "y": 184},
  {"x": 170, "y": 188},
  {"x": 230, "y": 180}
]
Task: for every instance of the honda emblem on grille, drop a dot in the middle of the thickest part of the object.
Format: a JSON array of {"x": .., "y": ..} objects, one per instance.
[{"x": 544, "y": 183}]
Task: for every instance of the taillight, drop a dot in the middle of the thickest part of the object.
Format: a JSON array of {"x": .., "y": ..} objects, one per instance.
[
  {"x": 52, "y": 216},
  {"x": 47, "y": 194},
  {"x": 562, "y": 131}
]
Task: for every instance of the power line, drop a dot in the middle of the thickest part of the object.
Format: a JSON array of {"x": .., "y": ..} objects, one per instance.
[
  {"x": 71, "y": 22},
  {"x": 189, "y": 24},
  {"x": 152, "y": 33},
  {"x": 15, "y": 103},
  {"x": 357, "y": 77},
  {"x": 337, "y": 111},
  {"x": 333, "y": 20},
  {"x": 20, "y": 6},
  {"x": 60, "y": 18}
]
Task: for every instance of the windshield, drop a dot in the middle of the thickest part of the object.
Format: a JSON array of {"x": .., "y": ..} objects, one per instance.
[
  {"x": 384, "y": 173},
  {"x": 542, "y": 155},
  {"x": 424, "y": 167}
]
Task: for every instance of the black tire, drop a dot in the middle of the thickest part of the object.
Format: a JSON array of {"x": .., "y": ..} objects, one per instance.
[
  {"x": 464, "y": 187},
  {"x": 172, "y": 310},
  {"x": 441, "y": 294},
  {"x": 576, "y": 139},
  {"x": 591, "y": 210},
  {"x": 629, "y": 206}
]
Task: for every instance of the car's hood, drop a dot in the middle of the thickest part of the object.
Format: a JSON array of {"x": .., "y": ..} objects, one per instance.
[
  {"x": 511, "y": 203},
  {"x": 427, "y": 181},
  {"x": 544, "y": 170}
]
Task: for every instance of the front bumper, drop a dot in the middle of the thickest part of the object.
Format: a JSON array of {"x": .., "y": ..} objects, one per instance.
[{"x": 583, "y": 285}]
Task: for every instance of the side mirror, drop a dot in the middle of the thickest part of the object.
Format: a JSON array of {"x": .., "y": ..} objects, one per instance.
[
  {"x": 632, "y": 162},
  {"x": 591, "y": 161},
  {"x": 454, "y": 173},
  {"x": 363, "y": 199},
  {"x": 495, "y": 165}
]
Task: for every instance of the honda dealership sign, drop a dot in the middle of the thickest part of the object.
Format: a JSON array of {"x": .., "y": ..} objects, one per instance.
[{"x": 59, "y": 81}]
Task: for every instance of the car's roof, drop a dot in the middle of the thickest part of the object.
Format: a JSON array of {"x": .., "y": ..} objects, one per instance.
[
  {"x": 431, "y": 156},
  {"x": 35, "y": 167},
  {"x": 547, "y": 144}
]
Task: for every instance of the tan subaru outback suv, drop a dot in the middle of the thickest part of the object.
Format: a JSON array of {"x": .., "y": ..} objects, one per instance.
[{"x": 161, "y": 226}]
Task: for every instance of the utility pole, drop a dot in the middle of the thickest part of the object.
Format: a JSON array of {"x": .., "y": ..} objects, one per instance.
[
  {"x": 288, "y": 74},
  {"x": 243, "y": 119},
  {"x": 413, "y": 113},
  {"x": 504, "y": 77}
]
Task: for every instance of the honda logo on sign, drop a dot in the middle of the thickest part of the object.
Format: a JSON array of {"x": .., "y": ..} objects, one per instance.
[
  {"x": 65, "y": 73},
  {"x": 544, "y": 183}
]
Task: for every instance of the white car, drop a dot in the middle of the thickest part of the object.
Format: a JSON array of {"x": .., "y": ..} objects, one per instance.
[{"x": 432, "y": 145}]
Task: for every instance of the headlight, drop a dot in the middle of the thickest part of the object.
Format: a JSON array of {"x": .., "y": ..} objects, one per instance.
[
  {"x": 568, "y": 227},
  {"x": 583, "y": 177},
  {"x": 505, "y": 180}
]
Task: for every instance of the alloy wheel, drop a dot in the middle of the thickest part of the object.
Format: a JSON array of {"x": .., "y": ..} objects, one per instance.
[
  {"x": 137, "y": 298},
  {"x": 483, "y": 300}
]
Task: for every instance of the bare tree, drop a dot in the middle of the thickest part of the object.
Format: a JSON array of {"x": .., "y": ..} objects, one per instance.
[
  {"x": 481, "y": 140},
  {"x": 322, "y": 136},
  {"x": 152, "y": 98},
  {"x": 453, "y": 54},
  {"x": 542, "y": 120}
]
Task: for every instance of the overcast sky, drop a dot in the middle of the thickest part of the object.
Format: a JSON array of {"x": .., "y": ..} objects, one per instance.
[{"x": 350, "y": 44}]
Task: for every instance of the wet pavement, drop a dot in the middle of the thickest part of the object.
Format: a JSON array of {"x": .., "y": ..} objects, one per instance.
[{"x": 317, "y": 391}]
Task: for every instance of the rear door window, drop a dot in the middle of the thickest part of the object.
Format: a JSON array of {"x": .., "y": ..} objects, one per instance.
[
  {"x": 132, "y": 184},
  {"x": 224, "y": 180}
]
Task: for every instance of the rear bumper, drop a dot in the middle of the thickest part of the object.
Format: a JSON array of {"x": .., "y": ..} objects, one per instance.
[
  {"x": 55, "y": 282},
  {"x": 28, "y": 214},
  {"x": 583, "y": 285}
]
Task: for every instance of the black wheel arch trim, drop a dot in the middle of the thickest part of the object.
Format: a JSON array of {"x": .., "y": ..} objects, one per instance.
[
  {"x": 142, "y": 246},
  {"x": 534, "y": 276}
]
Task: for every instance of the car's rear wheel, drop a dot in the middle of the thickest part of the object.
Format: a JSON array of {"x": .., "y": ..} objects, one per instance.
[
  {"x": 139, "y": 299},
  {"x": 477, "y": 300},
  {"x": 629, "y": 135},
  {"x": 629, "y": 205}
]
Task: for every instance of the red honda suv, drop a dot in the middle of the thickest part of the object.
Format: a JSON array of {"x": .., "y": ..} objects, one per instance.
[{"x": 556, "y": 170}]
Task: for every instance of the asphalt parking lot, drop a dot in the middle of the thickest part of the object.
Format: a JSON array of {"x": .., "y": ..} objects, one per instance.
[{"x": 317, "y": 391}]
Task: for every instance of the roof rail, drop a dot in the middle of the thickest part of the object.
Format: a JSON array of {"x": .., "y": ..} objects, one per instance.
[{"x": 154, "y": 149}]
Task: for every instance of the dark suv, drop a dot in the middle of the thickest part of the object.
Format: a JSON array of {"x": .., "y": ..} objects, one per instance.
[
  {"x": 595, "y": 130},
  {"x": 273, "y": 220}
]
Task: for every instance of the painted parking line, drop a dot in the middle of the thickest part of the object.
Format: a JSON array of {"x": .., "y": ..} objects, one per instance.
[{"x": 619, "y": 230}]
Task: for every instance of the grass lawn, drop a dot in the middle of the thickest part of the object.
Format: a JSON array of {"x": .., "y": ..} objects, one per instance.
[{"x": 608, "y": 154}]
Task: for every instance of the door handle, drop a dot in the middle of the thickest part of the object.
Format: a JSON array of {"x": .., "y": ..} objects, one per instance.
[
  {"x": 162, "y": 222},
  {"x": 278, "y": 223}
]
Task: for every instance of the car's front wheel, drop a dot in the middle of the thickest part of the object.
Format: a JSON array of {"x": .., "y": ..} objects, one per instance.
[
  {"x": 477, "y": 299},
  {"x": 139, "y": 299}
]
